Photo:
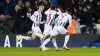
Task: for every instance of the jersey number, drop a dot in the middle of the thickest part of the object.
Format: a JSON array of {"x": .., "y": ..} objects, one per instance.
[
  {"x": 49, "y": 16},
  {"x": 62, "y": 16}
]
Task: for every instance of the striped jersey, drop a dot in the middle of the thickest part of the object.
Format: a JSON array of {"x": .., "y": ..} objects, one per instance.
[
  {"x": 51, "y": 16},
  {"x": 62, "y": 19},
  {"x": 36, "y": 17}
]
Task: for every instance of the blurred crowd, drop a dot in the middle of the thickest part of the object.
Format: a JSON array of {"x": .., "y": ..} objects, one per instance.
[{"x": 15, "y": 14}]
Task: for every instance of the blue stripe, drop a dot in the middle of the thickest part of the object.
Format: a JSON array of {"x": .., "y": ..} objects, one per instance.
[
  {"x": 37, "y": 18},
  {"x": 51, "y": 22},
  {"x": 34, "y": 15}
]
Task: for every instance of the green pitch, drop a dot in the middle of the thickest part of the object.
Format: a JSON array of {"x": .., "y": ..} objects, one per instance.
[{"x": 35, "y": 52}]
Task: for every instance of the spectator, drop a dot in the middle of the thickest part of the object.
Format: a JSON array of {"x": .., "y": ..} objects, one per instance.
[
  {"x": 8, "y": 12},
  {"x": 91, "y": 2},
  {"x": 18, "y": 6},
  {"x": 1, "y": 23},
  {"x": 29, "y": 22},
  {"x": 97, "y": 26},
  {"x": 14, "y": 2},
  {"x": 7, "y": 9},
  {"x": 98, "y": 9},
  {"x": 19, "y": 18},
  {"x": 34, "y": 5},
  {"x": 81, "y": 2},
  {"x": 27, "y": 5},
  {"x": 76, "y": 5},
  {"x": 47, "y": 4},
  {"x": 66, "y": 4},
  {"x": 28, "y": 12},
  {"x": 78, "y": 26},
  {"x": 80, "y": 11},
  {"x": 87, "y": 18}
]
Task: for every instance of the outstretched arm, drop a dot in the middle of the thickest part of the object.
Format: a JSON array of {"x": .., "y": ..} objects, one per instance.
[{"x": 70, "y": 20}]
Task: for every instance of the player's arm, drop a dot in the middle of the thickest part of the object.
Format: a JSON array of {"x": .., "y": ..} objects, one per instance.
[
  {"x": 57, "y": 19},
  {"x": 43, "y": 22},
  {"x": 58, "y": 11},
  {"x": 47, "y": 12},
  {"x": 34, "y": 18},
  {"x": 70, "y": 20}
]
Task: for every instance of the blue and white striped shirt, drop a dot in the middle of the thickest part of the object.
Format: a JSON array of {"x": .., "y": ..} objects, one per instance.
[{"x": 36, "y": 18}]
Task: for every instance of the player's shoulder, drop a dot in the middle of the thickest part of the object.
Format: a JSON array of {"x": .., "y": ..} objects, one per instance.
[
  {"x": 36, "y": 12},
  {"x": 53, "y": 11},
  {"x": 69, "y": 15},
  {"x": 61, "y": 13},
  {"x": 66, "y": 14}
]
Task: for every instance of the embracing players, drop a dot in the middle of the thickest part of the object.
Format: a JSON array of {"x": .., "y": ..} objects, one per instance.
[
  {"x": 61, "y": 21},
  {"x": 51, "y": 13}
]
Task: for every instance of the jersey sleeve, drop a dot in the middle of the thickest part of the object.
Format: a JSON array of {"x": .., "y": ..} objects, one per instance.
[
  {"x": 58, "y": 11},
  {"x": 34, "y": 17},
  {"x": 70, "y": 20}
]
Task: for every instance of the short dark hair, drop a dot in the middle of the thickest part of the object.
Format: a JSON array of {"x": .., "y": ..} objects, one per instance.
[
  {"x": 41, "y": 3},
  {"x": 53, "y": 6}
]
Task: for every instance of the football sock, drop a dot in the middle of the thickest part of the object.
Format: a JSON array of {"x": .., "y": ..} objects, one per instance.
[{"x": 66, "y": 40}]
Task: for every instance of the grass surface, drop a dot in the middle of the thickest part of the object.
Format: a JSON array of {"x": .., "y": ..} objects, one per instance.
[{"x": 35, "y": 52}]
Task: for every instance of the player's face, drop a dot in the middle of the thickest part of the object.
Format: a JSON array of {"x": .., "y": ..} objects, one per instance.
[{"x": 41, "y": 8}]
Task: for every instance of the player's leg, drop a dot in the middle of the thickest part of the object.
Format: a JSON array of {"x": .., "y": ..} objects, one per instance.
[
  {"x": 66, "y": 41},
  {"x": 45, "y": 42},
  {"x": 40, "y": 35},
  {"x": 46, "y": 32},
  {"x": 25, "y": 37},
  {"x": 64, "y": 31},
  {"x": 53, "y": 34},
  {"x": 32, "y": 37},
  {"x": 55, "y": 44}
]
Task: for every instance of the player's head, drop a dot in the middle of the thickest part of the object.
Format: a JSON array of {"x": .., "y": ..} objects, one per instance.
[
  {"x": 53, "y": 6},
  {"x": 41, "y": 6},
  {"x": 68, "y": 10}
]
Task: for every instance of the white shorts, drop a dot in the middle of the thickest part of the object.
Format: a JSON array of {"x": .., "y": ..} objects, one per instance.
[
  {"x": 36, "y": 29},
  {"x": 58, "y": 30},
  {"x": 47, "y": 29}
]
